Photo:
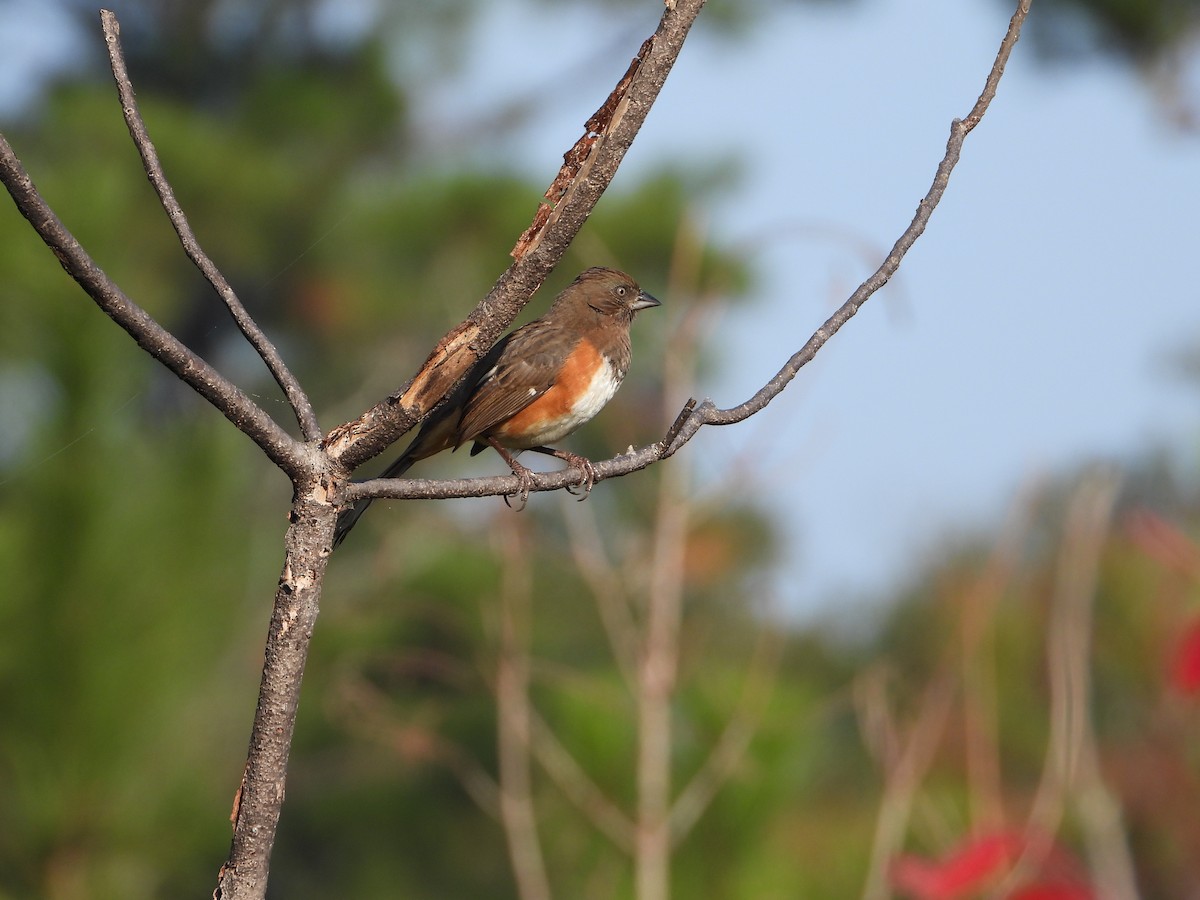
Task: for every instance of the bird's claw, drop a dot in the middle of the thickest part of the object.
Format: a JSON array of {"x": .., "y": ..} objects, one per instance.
[
  {"x": 524, "y": 484},
  {"x": 589, "y": 476},
  {"x": 525, "y": 476}
]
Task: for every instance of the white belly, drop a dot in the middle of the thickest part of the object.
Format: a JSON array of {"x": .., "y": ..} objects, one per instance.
[{"x": 599, "y": 391}]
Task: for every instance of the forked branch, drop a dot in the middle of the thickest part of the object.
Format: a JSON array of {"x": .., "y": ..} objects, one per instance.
[
  {"x": 280, "y": 447},
  {"x": 258, "y": 339}
]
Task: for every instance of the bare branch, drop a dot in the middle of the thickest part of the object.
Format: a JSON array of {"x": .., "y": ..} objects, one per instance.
[
  {"x": 260, "y": 796},
  {"x": 730, "y": 749},
  {"x": 1011, "y": 36},
  {"x": 497, "y": 485},
  {"x": 575, "y": 784},
  {"x": 282, "y": 449},
  {"x": 1071, "y": 770},
  {"x": 693, "y": 416},
  {"x": 305, "y": 415},
  {"x": 513, "y": 711},
  {"x": 707, "y": 414},
  {"x": 613, "y": 128},
  {"x": 608, "y": 589}
]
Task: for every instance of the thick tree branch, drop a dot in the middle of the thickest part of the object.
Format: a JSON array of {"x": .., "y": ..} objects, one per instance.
[
  {"x": 305, "y": 415},
  {"x": 591, "y": 165},
  {"x": 259, "y": 798},
  {"x": 284, "y": 450}
]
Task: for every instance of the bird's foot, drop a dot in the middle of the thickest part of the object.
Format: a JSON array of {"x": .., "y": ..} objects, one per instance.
[
  {"x": 524, "y": 476},
  {"x": 524, "y": 484},
  {"x": 584, "y": 465}
]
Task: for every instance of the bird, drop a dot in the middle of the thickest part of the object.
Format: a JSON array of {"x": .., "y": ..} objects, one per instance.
[{"x": 537, "y": 385}]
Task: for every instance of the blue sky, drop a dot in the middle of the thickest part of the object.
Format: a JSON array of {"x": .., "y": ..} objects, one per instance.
[{"x": 1028, "y": 330}]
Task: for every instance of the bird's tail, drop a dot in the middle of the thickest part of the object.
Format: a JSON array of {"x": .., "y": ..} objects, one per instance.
[{"x": 349, "y": 517}]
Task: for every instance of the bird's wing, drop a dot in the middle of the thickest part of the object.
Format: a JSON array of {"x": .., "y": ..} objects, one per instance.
[{"x": 525, "y": 368}]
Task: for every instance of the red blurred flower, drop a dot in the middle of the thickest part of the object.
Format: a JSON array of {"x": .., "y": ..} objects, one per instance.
[
  {"x": 962, "y": 872},
  {"x": 1049, "y": 891},
  {"x": 1185, "y": 670},
  {"x": 979, "y": 864}
]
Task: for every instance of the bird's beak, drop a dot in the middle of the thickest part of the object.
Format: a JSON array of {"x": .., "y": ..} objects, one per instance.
[{"x": 644, "y": 301}]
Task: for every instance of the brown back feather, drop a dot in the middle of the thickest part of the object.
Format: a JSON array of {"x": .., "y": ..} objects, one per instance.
[{"x": 526, "y": 368}]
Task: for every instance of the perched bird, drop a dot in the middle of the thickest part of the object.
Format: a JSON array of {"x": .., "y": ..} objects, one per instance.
[{"x": 537, "y": 385}]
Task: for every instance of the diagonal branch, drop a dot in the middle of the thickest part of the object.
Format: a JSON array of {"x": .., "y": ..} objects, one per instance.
[
  {"x": 299, "y": 401},
  {"x": 577, "y": 786},
  {"x": 282, "y": 449},
  {"x": 730, "y": 749},
  {"x": 707, "y": 414},
  {"x": 604, "y": 580},
  {"x": 588, "y": 169},
  {"x": 695, "y": 415}
]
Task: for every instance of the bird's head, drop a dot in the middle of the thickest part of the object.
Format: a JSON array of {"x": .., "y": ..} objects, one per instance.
[{"x": 607, "y": 292}]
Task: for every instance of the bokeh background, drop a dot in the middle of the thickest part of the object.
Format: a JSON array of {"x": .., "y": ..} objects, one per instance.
[{"x": 888, "y": 596}]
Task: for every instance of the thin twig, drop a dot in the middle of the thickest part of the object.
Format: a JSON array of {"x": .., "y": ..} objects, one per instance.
[
  {"x": 729, "y": 750},
  {"x": 608, "y": 589},
  {"x": 707, "y": 414},
  {"x": 905, "y": 764},
  {"x": 513, "y": 710},
  {"x": 280, "y": 447},
  {"x": 301, "y": 405},
  {"x": 496, "y": 485},
  {"x": 578, "y": 787},
  {"x": 1071, "y": 769}
]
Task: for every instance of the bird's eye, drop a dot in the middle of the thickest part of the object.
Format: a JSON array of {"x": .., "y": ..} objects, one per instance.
[{"x": 622, "y": 291}]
